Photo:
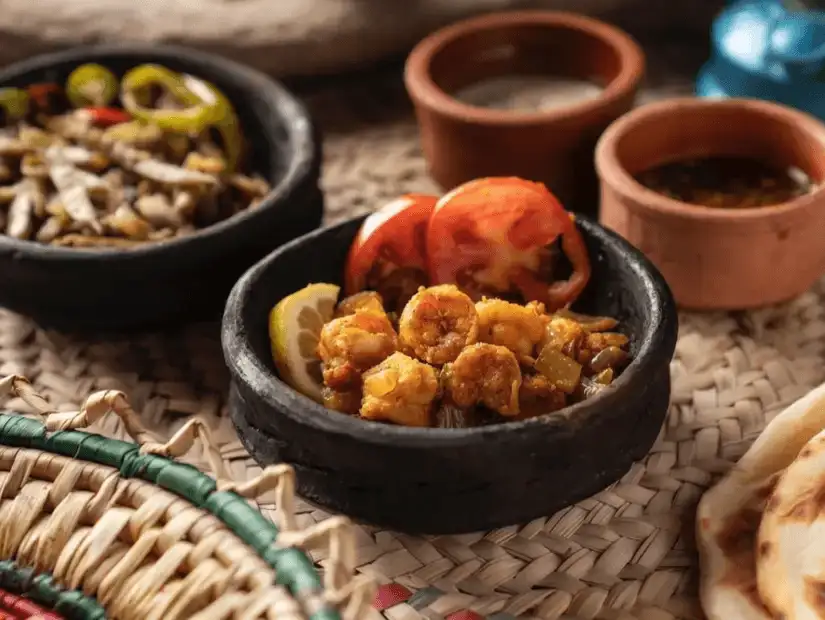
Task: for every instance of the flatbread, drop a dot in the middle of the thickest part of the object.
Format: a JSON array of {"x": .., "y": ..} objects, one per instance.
[
  {"x": 729, "y": 514},
  {"x": 790, "y": 551}
]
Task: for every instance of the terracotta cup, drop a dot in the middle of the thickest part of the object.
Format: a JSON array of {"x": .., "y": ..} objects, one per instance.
[
  {"x": 462, "y": 141},
  {"x": 716, "y": 258}
]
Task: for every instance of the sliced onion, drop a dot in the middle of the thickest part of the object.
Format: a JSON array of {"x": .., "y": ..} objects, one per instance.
[{"x": 589, "y": 322}]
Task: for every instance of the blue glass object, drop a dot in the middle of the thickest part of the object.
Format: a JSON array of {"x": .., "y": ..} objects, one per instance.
[{"x": 768, "y": 49}]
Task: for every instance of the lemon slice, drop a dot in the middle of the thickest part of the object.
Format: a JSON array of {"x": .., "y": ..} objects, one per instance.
[{"x": 294, "y": 328}]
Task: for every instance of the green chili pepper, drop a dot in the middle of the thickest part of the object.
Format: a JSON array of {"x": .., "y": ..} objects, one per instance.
[
  {"x": 136, "y": 82},
  {"x": 207, "y": 106},
  {"x": 222, "y": 117},
  {"x": 15, "y": 102},
  {"x": 91, "y": 85}
]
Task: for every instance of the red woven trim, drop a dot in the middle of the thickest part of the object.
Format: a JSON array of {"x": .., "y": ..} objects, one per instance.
[
  {"x": 13, "y": 607},
  {"x": 390, "y": 595}
]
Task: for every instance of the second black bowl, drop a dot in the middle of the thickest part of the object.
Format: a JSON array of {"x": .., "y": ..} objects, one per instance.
[
  {"x": 441, "y": 481},
  {"x": 185, "y": 278}
]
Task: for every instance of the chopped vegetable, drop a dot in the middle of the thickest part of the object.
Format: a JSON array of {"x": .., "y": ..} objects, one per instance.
[
  {"x": 169, "y": 174},
  {"x": 605, "y": 377},
  {"x": 21, "y": 211},
  {"x": 223, "y": 117},
  {"x": 134, "y": 92},
  {"x": 43, "y": 95},
  {"x": 52, "y": 228},
  {"x": 607, "y": 359},
  {"x": 589, "y": 323},
  {"x": 74, "y": 196},
  {"x": 91, "y": 85},
  {"x": 158, "y": 210},
  {"x": 134, "y": 133},
  {"x": 563, "y": 372},
  {"x": 128, "y": 223},
  {"x": 106, "y": 117},
  {"x": 15, "y": 103},
  {"x": 205, "y": 106}
]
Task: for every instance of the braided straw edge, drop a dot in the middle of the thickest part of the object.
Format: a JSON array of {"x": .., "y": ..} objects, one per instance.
[{"x": 352, "y": 594}]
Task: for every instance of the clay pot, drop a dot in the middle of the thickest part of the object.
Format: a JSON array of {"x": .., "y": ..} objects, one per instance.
[
  {"x": 718, "y": 258},
  {"x": 462, "y": 141},
  {"x": 451, "y": 480}
]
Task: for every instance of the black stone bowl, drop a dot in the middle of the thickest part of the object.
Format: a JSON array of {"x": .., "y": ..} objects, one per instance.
[
  {"x": 440, "y": 481},
  {"x": 182, "y": 279}
]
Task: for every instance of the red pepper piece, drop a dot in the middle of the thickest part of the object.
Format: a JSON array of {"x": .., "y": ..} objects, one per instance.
[
  {"x": 107, "y": 117},
  {"x": 41, "y": 93}
]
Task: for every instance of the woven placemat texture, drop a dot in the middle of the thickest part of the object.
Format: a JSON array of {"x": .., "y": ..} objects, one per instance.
[{"x": 626, "y": 553}]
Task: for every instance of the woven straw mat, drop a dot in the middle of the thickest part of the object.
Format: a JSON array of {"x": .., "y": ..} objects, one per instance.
[{"x": 624, "y": 554}]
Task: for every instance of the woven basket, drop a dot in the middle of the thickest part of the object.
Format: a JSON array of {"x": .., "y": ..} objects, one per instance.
[{"x": 98, "y": 528}]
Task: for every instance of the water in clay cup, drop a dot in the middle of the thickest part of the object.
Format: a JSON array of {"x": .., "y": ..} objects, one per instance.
[
  {"x": 522, "y": 94},
  {"x": 731, "y": 255}
]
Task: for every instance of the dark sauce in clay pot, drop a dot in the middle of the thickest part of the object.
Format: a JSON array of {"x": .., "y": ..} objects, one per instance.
[{"x": 726, "y": 182}]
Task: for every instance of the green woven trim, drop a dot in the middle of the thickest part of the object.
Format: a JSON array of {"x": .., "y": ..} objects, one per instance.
[
  {"x": 293, "y": 568},
  {"x": 41, "y": 589}
]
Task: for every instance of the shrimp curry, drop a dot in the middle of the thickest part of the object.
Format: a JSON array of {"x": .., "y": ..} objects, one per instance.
[{"x": 454, "y": 315}]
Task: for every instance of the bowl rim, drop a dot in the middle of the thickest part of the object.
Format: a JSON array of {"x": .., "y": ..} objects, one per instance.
[
  {"x": 245, "y": 367},
  {"x": 614, "y": 174},
  {"x": 424, "y": 91},
  {"x": 300, "y": 130}
]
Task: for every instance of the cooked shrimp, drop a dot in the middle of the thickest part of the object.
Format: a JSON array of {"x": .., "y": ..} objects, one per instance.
[
  {"x": 485, "y": 374},
  {"x": 351, "y": 344},
  {"x": 437, "y": 323},
  {"x": 538, "y": 396},
  {"x": 540, "y": 309},
  {"x": 345, "y": 402},
  {"x": 365, "y": 300},
  {"x": 519, "y": 328},
  {"x": 400, "y": 390}
]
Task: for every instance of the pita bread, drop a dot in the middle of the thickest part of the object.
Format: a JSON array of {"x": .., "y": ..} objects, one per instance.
[
  {"x": 729, "y": 514},
  {"x": 790, "y": 551}
]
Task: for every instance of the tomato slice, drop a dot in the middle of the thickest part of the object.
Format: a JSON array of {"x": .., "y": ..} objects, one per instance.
[
  {"x": 493, "y": 231},
  {"x": 391, "y": 238}
]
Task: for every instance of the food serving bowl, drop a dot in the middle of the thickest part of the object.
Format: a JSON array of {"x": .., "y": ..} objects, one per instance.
[
  {"x": 553, "y": 145},
  {"x": 183, "y": 278},
  {"x": 451, "y": 480},
  {"x": 718, "y": 258}
]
